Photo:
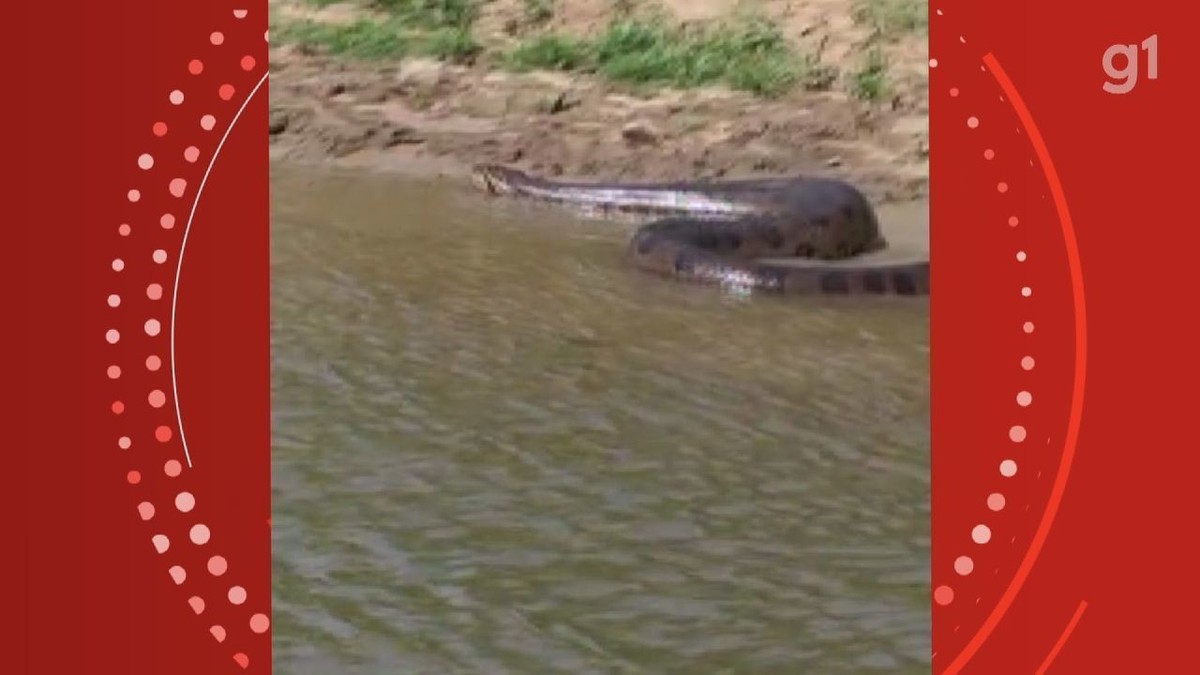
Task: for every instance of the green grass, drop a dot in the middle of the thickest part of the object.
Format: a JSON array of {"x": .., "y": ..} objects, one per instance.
[
  {"x": 889, "y": 20},
  {"x": 869, "y": 83},
  {"x": 749, "y": 55},
  {"x": 892, "y": 18},
  {"x": 449, "y": 44},
  {"x": 549, "y": 52},
  {"x": 372, "y": 40},
  {"x": 362, "y": 39},
  {"x": 437, "y": 28}
]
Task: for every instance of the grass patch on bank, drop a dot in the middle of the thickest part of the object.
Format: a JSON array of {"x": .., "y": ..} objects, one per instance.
[
  {"x": 374, "y": 40},
  {"x": 363, "y": 39},
  {"x": 550, "y": 52},
  {"x": 745, "y": 53},
  {"x": 449, "y": 44},
  {"x": 869, "y": 82},
  {"x": 890, "y": 19},
  {"x": 748, "y": 55},
  {"x": 437, "y": 28},
  {"x": 378, "y": 40},
  {"x": 889, "y": 22}
]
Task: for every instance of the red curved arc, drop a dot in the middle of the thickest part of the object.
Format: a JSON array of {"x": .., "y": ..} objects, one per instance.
[
  {"x": 1076, "y": 413},
  {"x": 1062, "y": 639}
]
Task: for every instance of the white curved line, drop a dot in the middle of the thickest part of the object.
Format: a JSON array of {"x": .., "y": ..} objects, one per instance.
[{"x": 179, "y": 263}]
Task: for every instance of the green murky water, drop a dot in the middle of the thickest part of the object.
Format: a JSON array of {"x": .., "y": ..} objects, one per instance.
[{"x": 497, "y": 449}]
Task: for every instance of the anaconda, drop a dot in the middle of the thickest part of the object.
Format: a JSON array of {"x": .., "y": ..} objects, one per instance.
[{"x": 726, "y": 231}]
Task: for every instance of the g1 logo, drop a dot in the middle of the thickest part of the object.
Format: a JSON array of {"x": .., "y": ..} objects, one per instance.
[{"x": 1123, "y": 80}]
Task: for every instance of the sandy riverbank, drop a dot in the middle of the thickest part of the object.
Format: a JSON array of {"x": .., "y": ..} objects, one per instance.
[{"x": 415, "y": 113}]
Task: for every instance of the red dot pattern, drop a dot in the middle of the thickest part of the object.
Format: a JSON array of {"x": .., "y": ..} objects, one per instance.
[
  {"x": 981, "y": 539},
  {"x": 165, "y": 179}
]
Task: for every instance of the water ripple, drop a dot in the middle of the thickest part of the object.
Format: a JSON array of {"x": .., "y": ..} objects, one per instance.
[{"x": 498, "y": 450}]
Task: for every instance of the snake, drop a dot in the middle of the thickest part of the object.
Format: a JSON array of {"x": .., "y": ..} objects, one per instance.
[{"x": 791, "y": 235}]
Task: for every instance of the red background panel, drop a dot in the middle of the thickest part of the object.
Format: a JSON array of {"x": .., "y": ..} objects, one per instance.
[
  {"x": 1062, "y": 351},
  {"x": 1108, "y": 588},
  {"x": 157, "y": 98}
]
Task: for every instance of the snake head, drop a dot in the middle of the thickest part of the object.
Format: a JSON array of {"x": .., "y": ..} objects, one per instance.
[{"x": 496, "y": 179}]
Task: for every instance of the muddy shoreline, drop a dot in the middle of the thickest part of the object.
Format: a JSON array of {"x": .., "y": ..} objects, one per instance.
[{"x": 421, "y": 116}]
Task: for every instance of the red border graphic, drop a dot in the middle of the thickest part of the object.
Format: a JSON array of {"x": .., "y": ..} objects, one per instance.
[
  {"x": 1039, "y": 414},
  {"x": 140, "y": 433},
  {"x": 1069, "y": 444},
  {"x": 147, "y": 175}
]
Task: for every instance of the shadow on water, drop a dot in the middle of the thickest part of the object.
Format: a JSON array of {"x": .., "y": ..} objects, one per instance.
[{"x": 497, "y": 449}]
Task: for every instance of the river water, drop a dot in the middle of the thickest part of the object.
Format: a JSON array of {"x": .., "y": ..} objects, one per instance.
[{"x": 498, "y": 449}]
